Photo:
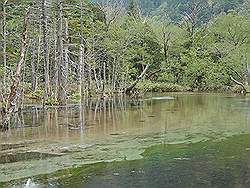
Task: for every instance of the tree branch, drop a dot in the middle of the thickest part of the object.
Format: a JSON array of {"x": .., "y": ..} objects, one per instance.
[
  {"x": 239, "y": 83},
  {"x": 127, "y": 90}
]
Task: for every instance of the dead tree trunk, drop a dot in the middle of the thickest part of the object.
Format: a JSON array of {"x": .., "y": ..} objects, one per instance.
[
  {"x": 131, "y": 87},
  {"x": 4, "y": 48},
  {"x": 82, "y": 58},
  {"x": 104, "y": 77},
  {"x": 46, "y": 50},
  {"x": 66, "y": 51},
  {"x": 16, "y": 80},
  {"x": 82, "y": 70},
  {"x": 2, "y": 108},
  {"x": 113, "y": 75},
  {"x": 39, "y": 46},
  {"x": 33, "y": 68},
  {"x": 61, "y": 95}
]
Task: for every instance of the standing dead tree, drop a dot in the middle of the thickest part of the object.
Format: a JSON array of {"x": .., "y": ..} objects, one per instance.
[
  {"x": 81, "y": 57},
  {"x": 16, "y": 80},
  {"x": 61, "y": 77},
  {"x": 45, "y": 49},
  {"x": 4, "y": 33}
]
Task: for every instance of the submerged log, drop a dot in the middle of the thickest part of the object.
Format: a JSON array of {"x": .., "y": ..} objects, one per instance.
[{"x": 16, "y": 80}]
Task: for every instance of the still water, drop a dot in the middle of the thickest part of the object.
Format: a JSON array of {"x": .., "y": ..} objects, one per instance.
[{"x": 165, "y": 140}]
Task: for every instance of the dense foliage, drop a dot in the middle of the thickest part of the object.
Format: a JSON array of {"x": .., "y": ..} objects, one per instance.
[{"x": 109, "y": 45}]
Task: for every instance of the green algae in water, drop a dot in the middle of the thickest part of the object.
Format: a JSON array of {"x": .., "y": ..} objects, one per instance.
[{"x": 223, "y": 163}]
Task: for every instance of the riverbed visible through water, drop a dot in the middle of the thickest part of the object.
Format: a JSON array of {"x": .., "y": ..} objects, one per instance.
[{"x": 162, "y": 140}]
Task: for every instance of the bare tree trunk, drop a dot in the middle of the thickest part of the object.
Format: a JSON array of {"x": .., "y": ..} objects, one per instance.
[
  {"x": 89, "y": 80},
  {"x": 46, "y": 50},
  {"x": 96, "y": 79},
  {"x": 104, "y": 77},
  {"x": 4, "y": 48},
  {"x": 66, "y": 50},
  {"x": 82, "y": 70},
  {"x": 16, "y": 80},
  {"x": 113, "y": 74},
  {"x": 33, "y": 68},
  {"x": 61, "y": 95},
  {"x": 39, "y": 46},
  {"x": 100, "y": 77},
  {"x": 55, "y": 60},
  {"x": 82, "y": 59},
  {"x": 2, "y": 102}
]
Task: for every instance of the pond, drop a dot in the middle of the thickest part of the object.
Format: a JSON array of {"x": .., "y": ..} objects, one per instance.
[{"x": 163, "y": 140}]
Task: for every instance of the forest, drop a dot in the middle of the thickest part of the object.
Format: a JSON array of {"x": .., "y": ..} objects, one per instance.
[{"x": 54, "y": 51}]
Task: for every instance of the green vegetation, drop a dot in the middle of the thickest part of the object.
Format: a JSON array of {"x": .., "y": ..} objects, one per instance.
[{"x": 222, "y": 162}]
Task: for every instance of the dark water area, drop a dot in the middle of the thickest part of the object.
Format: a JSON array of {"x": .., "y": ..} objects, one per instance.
[{"x": 163, "y": 140}]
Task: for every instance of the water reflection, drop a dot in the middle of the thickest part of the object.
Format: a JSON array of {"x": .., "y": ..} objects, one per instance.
[{"x": 102, "y": 117}]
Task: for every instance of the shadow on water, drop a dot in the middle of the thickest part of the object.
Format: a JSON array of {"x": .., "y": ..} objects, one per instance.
[{"x": 16, "y": 157}]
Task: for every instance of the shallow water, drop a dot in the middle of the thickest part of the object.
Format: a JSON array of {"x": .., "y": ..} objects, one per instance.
[
  {"x": 221, "y": 164},
  {"x": 121, "y": 130}
]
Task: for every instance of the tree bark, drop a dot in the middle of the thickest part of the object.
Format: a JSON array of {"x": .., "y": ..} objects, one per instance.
[
  {"x": 16, "y": 80},
  {"x": 113, "y": 75},
  {"x": 61, "y": 95},
  {"x": 82, "y": 58},
  {"x": 39, "y": 46},
  {"x": 66, "y": 50},
  {"x": 33, "y": 68},
  {"x": 46, "y": 50},
  {"x": 4, "y": 48}
]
